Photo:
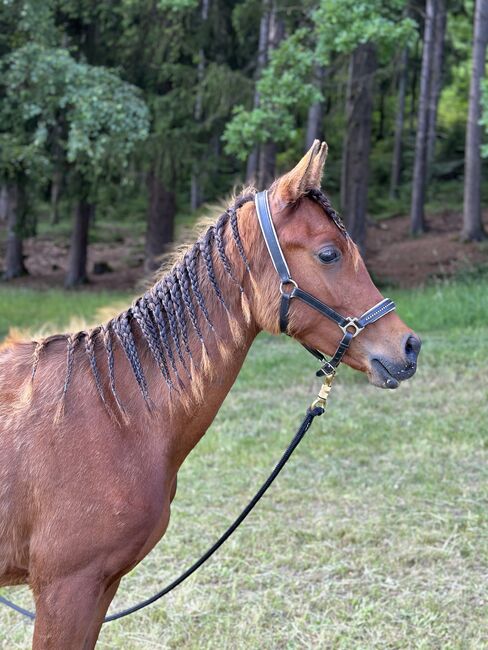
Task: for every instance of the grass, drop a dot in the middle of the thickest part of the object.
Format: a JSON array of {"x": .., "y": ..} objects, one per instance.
[
  {"x": 374, "y": 537},
  {"x": 29, "y": 309}
]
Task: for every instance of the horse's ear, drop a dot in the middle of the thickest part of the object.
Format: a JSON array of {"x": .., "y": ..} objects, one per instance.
[{"x": 305, "y": 176}]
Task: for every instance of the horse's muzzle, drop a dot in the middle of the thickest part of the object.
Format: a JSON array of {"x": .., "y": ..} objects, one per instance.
[{"x": 388, "y": 373}]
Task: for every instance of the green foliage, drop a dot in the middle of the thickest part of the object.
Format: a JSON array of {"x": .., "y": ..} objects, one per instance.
[
  {"x": 19, "y": 156},
  {"x": 89, "y": 111},
  {"x": 283, "y": 88},
  {"x": 177, "y": 5},
  {"x": 342, "y": 25},
  {"x": 75, "y": 75},
  {"x": 453, "y": 102}
]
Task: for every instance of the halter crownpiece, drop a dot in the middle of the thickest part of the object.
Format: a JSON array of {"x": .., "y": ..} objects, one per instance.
[{"x": 350, "y": 326}]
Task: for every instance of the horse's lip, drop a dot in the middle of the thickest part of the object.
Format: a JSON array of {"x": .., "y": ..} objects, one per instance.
[{"x": 382, "y": 377}]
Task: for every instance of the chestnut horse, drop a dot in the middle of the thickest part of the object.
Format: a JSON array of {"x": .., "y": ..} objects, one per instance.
[{"x": 95, "y": 425}]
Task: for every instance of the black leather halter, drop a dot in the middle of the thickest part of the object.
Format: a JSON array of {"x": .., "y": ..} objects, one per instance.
[{"x": 350, "y": 326}]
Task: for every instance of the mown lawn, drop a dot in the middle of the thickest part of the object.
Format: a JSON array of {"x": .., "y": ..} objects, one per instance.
[{"x": 375, "y": 535}]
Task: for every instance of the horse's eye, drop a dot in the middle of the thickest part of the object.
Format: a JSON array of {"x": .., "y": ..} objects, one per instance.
[{"x": 329, "y": 255}]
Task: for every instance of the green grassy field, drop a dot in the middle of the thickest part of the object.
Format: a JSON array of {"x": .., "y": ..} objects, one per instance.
[{"x": 375, "y": 535}]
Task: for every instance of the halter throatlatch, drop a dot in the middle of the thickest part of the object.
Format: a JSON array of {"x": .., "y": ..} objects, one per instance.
[{"x": 350, "y": 326}]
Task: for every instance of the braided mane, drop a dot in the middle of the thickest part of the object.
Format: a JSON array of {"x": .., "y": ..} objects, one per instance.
[
  {"x": 170, "y": 313},
  {"x": 167, "y": 315}
]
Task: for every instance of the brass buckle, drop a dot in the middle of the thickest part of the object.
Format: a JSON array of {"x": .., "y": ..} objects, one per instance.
[
  {"x": 322, "y": 397},
  {"x": 352, "y": 322}
]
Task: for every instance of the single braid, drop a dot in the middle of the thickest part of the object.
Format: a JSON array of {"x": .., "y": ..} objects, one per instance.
[
  {"x": 143, "y": 318},
  {"x": 237, "y": 237},
  {"x": 180, "y": 311},
  {"x": 185, "y": 286},
  {"x": 206, "y": 250},
  {"x": 71, "y": 341},
  {"x": 36, "y": 358},
  {"x": 219, "y": 240},
  {"x": 163, "y": 293},
  {"x": 155, "y": 307},
  {"x": 90, "y": 351},
  {"x": 122, "y": 328},
  {"x": 190, "y": 262},
  {"x": 323, "y": 200},
  {"x": 107, "y": 342}
]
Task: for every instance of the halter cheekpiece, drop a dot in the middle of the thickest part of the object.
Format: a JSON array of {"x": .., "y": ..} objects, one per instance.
[{"x": 350, "y": 326}]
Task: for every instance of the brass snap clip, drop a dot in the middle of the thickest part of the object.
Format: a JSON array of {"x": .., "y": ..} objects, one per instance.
[{"x": 322, "y": 397}]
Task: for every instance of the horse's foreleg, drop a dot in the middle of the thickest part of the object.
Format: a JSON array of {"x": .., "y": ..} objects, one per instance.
[
  {"x": 103, "y": 605},
  {"x": 65, "y": 612}
]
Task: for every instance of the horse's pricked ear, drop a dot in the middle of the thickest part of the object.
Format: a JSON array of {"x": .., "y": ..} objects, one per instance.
[
  {"x": 318, "y": 166},
  {"x": 305, "y": 176}
]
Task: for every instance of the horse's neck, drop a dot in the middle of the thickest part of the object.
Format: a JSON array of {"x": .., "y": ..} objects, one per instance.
[
  {"x": 183, "y": 417},
  {"x": 183, "y": 400}
]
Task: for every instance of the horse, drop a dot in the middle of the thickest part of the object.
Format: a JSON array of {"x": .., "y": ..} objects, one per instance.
[{"x": 94, "y": 425}]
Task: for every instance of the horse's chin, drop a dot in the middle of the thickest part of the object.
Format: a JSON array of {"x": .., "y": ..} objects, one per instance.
[
  {"x": 385, "y": 373},
  {"x": 380, "y": 376}
]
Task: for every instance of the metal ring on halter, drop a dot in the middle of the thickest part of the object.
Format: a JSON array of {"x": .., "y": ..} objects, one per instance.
[
  {"x": 352, "y": 322},
  {"x": 289, "y": 281}
]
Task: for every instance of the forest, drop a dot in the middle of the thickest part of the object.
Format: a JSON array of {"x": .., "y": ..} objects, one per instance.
[{"x": 140, "y": 112}]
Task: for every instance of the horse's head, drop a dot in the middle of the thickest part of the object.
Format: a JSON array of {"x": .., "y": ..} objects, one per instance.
[{"x": 325, "y": 262}]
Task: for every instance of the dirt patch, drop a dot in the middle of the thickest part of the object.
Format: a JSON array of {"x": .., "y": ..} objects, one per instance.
[
  {"x": 392, "y": 256},
  {"x": 46, "y": 261}
]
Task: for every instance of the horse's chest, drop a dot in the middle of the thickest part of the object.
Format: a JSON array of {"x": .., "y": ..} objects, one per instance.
[
  {"x": 14, "y": 540},
  {"x": 14, "y": 514}
]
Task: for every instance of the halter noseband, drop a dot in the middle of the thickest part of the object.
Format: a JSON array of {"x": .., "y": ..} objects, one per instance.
[{"x": 350, "y": 326}]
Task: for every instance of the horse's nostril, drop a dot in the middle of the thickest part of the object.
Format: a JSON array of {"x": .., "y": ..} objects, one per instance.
[{"x": 412, "y": 347}]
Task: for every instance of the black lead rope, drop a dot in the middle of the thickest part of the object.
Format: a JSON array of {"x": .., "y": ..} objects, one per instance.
[{"x": 311, "y": 414}]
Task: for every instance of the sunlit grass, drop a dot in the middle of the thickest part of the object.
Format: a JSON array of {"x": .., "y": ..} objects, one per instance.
[
  {"x": 51, "y": 310},
  {"x": 375, "y": 535}
]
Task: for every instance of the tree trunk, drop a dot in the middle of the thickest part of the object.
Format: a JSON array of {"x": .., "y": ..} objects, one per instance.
[
  {"x": 436, "y": 75},
  {"x": 261, "y": 162},
  {"x": 472, "y": 216},
  {"x": 56, "y": 184},
  {"x": 268, "y": 150},
  {"x": 396, "y": 166},
  {"x": 252, "y": 165},
  {"x": 58, "y": 173},
  {"x": 315, "y": 111},
  {"x": 77, "y": 274},
  {"x": 382, "y": 91},
  {"x": 267, "y": 164},
  {"x": 195, "y": 189},
  {"x": 419, "y": 180},
  {"x": 415, "y": 64},
  {"x": 160, "y": 220},
  {"x": 195, "y": 186},
  {"x": 14, "y": 256},
  {"x": 357, "y": 141},
  {"x": 262, "y": 58},
  {"x": 3, "y": 202}
]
